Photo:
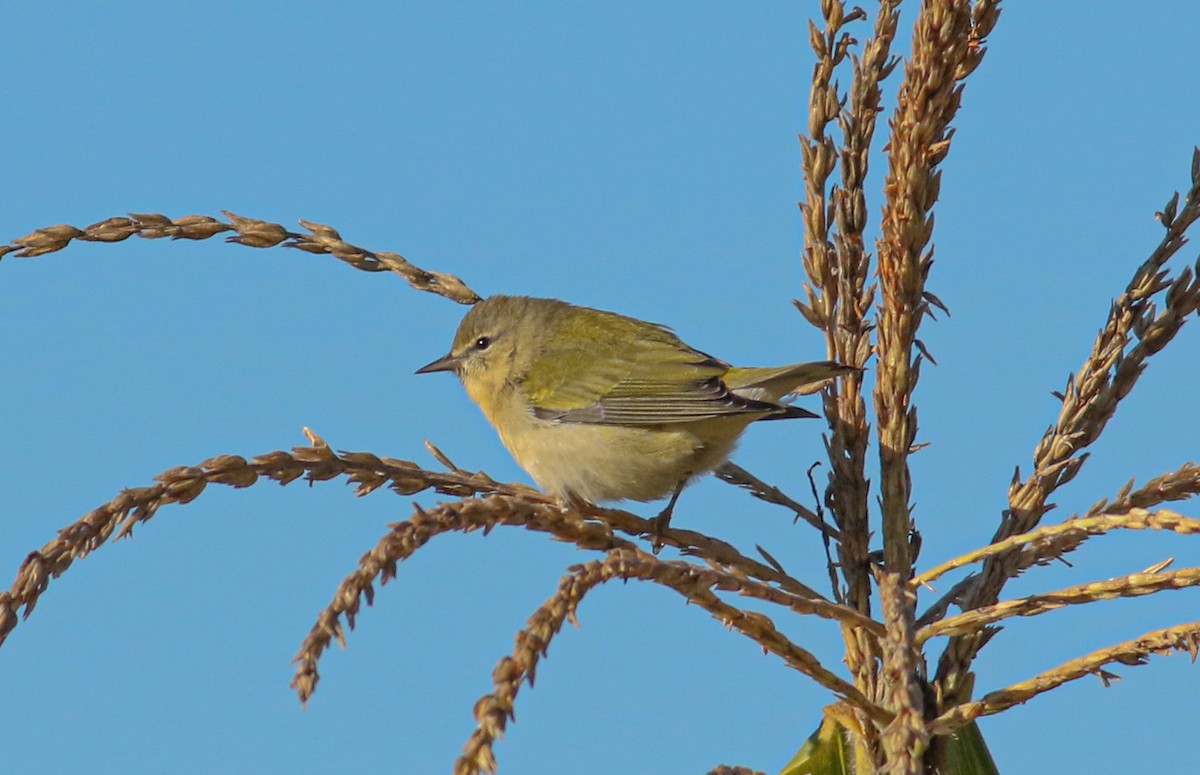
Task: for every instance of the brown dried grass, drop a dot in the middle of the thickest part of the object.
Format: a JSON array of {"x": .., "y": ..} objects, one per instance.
[{"x": 250, "y": 232}]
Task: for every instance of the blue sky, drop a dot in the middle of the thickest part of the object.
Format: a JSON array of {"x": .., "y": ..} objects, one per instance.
[{"x": 634, "y": 158}]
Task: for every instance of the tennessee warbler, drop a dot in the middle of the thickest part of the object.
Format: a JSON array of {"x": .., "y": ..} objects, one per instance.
[{"x": 598, "y": 406}]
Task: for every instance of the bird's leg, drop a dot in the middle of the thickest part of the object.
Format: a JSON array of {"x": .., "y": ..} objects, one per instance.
[{"x": 663, "y": 520}]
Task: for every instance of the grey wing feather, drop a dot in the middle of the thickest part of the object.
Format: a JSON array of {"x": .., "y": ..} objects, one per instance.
[{"x": 711, "y": 398}]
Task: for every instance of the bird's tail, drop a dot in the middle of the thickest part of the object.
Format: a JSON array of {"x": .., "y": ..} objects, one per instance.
[{"x": 767, "y": 383}]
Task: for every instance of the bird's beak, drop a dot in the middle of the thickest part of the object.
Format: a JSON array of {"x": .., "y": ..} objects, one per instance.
[{"x": 447, "y": 362}]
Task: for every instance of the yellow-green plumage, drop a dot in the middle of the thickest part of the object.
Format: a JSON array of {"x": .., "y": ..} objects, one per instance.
[{"x": 598, "y": 406}]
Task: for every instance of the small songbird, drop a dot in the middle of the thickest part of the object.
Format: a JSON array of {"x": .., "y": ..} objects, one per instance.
[{"x": 598, "y": 406}]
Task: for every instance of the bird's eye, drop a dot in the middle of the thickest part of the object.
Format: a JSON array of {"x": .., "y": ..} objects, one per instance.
[{"x": 483, "y": 342}]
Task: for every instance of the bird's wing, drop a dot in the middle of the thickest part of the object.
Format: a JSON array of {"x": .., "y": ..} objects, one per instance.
[{"x": 620, "y": 371}]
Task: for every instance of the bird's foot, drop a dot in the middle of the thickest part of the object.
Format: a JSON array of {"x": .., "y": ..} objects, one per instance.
[
  {"x": 663, "y": 520},
  {"x": 661, "y": 523}
]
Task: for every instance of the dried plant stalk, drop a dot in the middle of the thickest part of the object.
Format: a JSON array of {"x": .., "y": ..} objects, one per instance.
[
  {"x": 1056, "y": 540},
  {"x": 1131, "y": 585},
  {"x": 761, "y": 629},
  {"x": 493, "y": 710},
  {"x": 1135, "y": 330},
  {"x": 1183, "y": 637},
  {"x": 319, "y": 462},
  {"x": 906, "y": 737},
  {"x": 1135, "y": 519},
  {"x": 404, "y": 538},
  {"x": 838, "y": 297},
  {"x": 185, "y": 483},
  {"x": 848, "y": 328},
  {"x": 250, "y": 232},
  {"x": 734, "y": 474},
  {"x": 829, "y": 281},
  {"x": 1176, "y": 485},
  {"x": 946, "y": 47},
  {"x": 1107, "y": 376}
]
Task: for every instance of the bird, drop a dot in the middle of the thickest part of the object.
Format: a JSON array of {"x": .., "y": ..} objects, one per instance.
[{"x": 598, "y": 407}]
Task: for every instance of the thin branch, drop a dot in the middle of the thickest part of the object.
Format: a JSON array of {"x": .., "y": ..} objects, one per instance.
[
  {"x": 1131, "y": 585},
  {"x": 1054, "y": 540},
  {"x": 405, "y": 538},
  {"x": 368, "y": 472},
  {"x": 762, "y": 630},
  {"x": 850, "y": 296},
  {"x": 946, "y": 47},
  {"x": 1135, "y": 519},
  {"x": 493, "y": 710},
  {"x": 953, "y": 596},
  {"x": 250, "y": 232},
  {"x": 715, "y": 552},
  {"x": 731, "y": 473},
  {"x": 1177, "y": 485},
  {"x": 907, "y": 736},
  {"x": 838, "y": 297},
  {"x": 185, "y": 483},
  {"x": 697, "y": 586},
  {"x": 824, "y": 307},
  {"x": 1134, "y": 332},
  {"x": 1183, "y": 637}
]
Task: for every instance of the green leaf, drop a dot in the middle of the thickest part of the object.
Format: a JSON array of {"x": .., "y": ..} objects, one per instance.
[
  {"x": 830, "y": 751},
  {"x": 967, "y": 753}
]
